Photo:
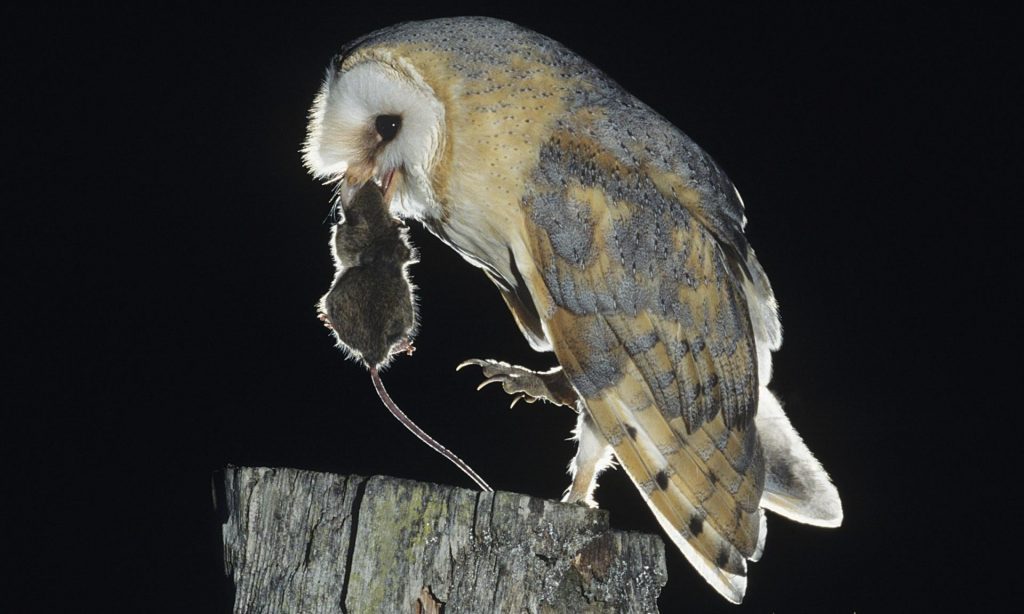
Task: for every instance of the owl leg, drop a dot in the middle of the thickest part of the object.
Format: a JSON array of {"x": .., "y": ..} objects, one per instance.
[
  {"x": 527, "y": 385},
  {"x": 593, "y": 455}
]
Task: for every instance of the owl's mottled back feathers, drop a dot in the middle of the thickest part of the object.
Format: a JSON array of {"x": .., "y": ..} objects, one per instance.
[{"x": 617, "y": 243}]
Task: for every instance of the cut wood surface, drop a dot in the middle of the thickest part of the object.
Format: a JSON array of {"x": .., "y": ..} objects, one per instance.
[{"x": 302, "y": 541}]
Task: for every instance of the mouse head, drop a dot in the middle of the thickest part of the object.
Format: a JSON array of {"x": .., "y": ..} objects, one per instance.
[{"x": 367, "y": 226}]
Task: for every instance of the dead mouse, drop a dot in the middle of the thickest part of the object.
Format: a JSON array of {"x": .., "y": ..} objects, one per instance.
[{"x": 370, "y": 306}]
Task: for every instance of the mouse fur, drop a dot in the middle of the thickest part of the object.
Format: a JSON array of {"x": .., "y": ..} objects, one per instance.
[{"x": 371, "y": 305}]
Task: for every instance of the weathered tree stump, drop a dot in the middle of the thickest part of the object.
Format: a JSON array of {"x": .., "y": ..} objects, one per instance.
[{"x": 301, "y": 541}]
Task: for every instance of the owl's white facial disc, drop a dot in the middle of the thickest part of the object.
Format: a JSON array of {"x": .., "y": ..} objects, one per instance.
[{"x": 344, "y": 139}]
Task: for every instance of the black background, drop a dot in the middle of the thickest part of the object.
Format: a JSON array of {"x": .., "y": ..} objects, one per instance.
[{"x": 165, "y": 248}]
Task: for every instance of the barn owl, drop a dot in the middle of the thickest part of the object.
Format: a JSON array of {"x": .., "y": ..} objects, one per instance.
[{"x": 617, "y": 244}]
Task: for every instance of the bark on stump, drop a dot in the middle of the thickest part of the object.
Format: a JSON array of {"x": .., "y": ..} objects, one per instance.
[{"x": 301, "y": 541}]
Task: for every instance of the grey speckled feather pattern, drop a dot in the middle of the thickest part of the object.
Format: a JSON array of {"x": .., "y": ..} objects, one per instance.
[
  {"x": 617, "y": 243},
  {"x": 482, "y": 43}
]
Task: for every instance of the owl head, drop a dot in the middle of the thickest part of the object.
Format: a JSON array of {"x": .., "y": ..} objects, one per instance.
[
  {"x": 444, "y": 114},
  {"x": 451, "y": 117},
  {"x": 376, "y": 119}
]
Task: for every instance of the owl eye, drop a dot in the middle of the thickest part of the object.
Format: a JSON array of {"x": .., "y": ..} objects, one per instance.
[{"x": 388, "y": 126}]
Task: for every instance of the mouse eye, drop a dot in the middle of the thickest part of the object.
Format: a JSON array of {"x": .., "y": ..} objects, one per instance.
[{"x": 388, "y": 126}]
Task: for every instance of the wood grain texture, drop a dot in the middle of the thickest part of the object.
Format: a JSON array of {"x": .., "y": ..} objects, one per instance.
[{"x": 301, "y": 541}]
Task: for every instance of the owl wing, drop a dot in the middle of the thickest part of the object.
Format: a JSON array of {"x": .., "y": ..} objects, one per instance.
[{"x": 646, "y": 315}]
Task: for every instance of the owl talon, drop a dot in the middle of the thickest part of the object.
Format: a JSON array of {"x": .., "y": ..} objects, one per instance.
[
  {"x": 522, "y": 397},
  {"x": 472, "y": 361},
  {"x": 492, "y": 380},
  {"x": 525, "y": 384}
]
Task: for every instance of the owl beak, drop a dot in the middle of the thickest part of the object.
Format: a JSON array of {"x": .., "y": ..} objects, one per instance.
[
  {"x": 385, "y": 183},
  {"x": 388, "y": 182}
]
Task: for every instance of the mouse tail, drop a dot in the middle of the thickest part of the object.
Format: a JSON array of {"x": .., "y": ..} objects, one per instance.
[{"x": 421, "y": 434}]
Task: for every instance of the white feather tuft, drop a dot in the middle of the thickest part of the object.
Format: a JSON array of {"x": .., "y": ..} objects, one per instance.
[{"x": 796, "y": 486}]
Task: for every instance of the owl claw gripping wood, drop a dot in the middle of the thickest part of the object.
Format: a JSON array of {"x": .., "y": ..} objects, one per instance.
[{"x": 617, "y": 243}]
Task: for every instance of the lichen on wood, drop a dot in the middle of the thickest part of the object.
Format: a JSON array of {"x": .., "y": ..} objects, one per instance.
[{"x": 300, "y": 541}]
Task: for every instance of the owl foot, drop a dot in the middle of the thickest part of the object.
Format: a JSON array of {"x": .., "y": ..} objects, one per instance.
[
  {"x": 524, "y": 384},
  {"x": 574, "y": 499}
]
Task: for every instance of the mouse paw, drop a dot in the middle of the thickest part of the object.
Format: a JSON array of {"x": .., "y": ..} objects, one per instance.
[
  {"x": 524, "y": 384},
  {"x": 326, "y": 321},
  {"x": 404, "y": 346}
]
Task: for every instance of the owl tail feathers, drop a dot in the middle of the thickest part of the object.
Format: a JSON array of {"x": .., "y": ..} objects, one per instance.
[
  {"x": 795, "y": 486},
  {"x": 729, "y": 585}
]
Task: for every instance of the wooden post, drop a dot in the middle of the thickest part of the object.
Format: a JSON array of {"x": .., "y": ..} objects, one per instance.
[{"x": 301, "y": 541}]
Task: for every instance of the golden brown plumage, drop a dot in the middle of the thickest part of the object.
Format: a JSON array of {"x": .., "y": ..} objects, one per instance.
[
  {"x": 616, "y": 242},
  {"x": 653, "y": 332}
]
